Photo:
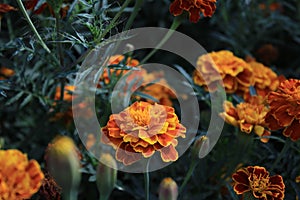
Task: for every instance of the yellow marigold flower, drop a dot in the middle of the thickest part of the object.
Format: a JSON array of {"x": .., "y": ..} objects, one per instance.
[
  {"x": 256, "y": 180},
  {"x": 142, "y": 129},
  {"x": 20, "y": 178},
  {"x": 285, "y": 109},
  {"x": 247, "y": 116},
  {"x": 222, "y": 66},
  {"x": 194, "y": 8}
]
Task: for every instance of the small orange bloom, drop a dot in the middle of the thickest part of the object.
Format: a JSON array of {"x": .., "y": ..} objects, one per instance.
[
  {"x": 4, "y": 8},
  {"x": 298, "y": 179},
  {"x": 275, "y": 6},
  {"x": 257, "y": 180},
  {"x": 247, "y": 116},
  {"x": 67, "y": 93},
  {"x": 116, "y": 60},
  {"x": 160, "y": 90},
  {"x": 285, "y": 109},
  {"x": 195, "y": 7},
  {"x": 20, "y": 178},
  {"x": 142, "y": 129},
  {"x": 31, "y": 5},
  {"x": 222, "y": 66},
  {"x": 6, "y": 73}
]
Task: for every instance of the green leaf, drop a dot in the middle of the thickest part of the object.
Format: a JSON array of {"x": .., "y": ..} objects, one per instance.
[
  {"x": 26, "y": 101},
  {"x": 14, "y": 99}
]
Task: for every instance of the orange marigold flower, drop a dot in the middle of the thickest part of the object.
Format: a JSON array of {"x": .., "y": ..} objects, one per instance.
[
  {"x": 32, "y": 5},
  {"x": 6, "y": 73},
  {"x": 115, "y": 60},
  {"x": 20, "y": 178},
  {"x": 297, "y": 179},
  {"x": 142, "y": 129},
  {"x": 265, "y": 80},
  {"x": 257, "y": 180},
  {"x": 222, "y": 66},
  {"x": 4, "y": 8},
  {"x": 160, "y": 90},
  {"x": 248, "y": 116},
  {"x": 194, "y": 8},
  {"x": 285, "y": 109},
  {"x": 68, "y": 89}
]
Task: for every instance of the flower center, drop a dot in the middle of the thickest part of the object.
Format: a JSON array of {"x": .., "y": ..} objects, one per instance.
[
  {"x": 259, "y": 184},
  {"x": 140, "y": 117}
]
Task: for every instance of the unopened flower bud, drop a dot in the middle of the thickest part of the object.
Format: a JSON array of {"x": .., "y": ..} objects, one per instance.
[
  {"x": 106, "y": 175},
  {"x": 201, "y": 147},
  {"x": 168, "y": 189},
  {"x": 63, "y": 164}
]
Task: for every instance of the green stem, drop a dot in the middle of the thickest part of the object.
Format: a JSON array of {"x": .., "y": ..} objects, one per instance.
[
  {"x": 147, "y": 185},
  {"x": 113, "y": 21},
  {"x": 70, "y": 195},
  {"x": 58, "y": 43},
  {"x": 137, "y": 6},
  {"x": 282, "y": 153},
  {"x": 174, "y": 26},
  {"x": 103, "y": 197},
  {"x": 22, "y": 8},
  {"x": 189, "y": 174}
]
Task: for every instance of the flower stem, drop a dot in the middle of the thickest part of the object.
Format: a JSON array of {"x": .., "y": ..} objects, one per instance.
[
  {"x": 188, "y": 175},
  {"x": 282, "y": 153},
  {"x": 147, "y": 185},
  {"x": 174, "y": 26},
  {"x": 137, "y": 6},
  {"x": 22, "y": 8},
  {"x": 70, "y": 195},
  {"x": 113, "y": 21}
]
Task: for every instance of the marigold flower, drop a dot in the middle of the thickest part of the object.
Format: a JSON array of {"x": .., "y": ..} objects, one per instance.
[
  {"x": 247, "y": 116},
  {"x": 257, "y": 180},
  {"x": 265, "y": 80},
  {"x": 4, "y": 8},
  {"x": 68, "y": 89},
  {"x": 194, "y": 8},
  {"x": 160, "y": 90},
  {"x": 32, "y": 5},
  {"x": 6, "y": 73},
  {"x": 223, "y": 66},
  {"x": 20, "y": 178},
  {"x": 115, "y": 60},
  {"x": 285, "y": 109},
  {"x": 142, "y": 129}
]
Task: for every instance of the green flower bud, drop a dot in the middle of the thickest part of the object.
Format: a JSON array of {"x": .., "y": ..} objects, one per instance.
[
  {"x": 168, "y": 189},
  {"x": 63, "y": 164},
  {"x": 201, "y": 147},
  {"x": 106, "y": 175}
]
